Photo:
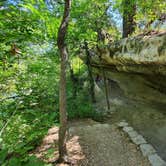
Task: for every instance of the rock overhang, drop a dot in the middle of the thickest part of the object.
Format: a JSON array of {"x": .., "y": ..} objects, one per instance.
[{"x": 140, "y": 54}]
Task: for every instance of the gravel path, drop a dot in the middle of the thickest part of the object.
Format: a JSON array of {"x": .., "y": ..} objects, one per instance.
[
  {"x": 93, "y": 144},
  {"x": 106, "y": 145}
]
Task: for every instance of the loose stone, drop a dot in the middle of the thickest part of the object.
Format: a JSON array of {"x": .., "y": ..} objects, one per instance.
[
  {"x": 127, "y": 129},
  {"x": 156, "y": 160},
  {"x": 147, "y": 149},
  {"x": 123, "y": 124},
  {"x": 138, "y": 140},
  {"x": 133, "y": 134}
]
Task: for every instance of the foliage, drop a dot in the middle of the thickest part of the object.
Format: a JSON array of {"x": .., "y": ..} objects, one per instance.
[
  {"x": 147, "y": 9},
  {"x": 34, "y": 83},
  {"x": 85, "y": 25},
  {"x": 29, "y": 81},
  {"x": 34, "y": 105},
  {"x": 146, "y": 12}
]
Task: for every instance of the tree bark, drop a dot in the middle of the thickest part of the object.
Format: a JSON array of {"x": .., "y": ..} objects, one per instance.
[
  {"x": 92, "y": 85},
  {"x": 129, "y": 11},
  {"x": 62, "y": 89},
  {"x": 4, "y": 64},
  {"x": 100, "y": 40},
  {"x": 74, "y": 80},
  {"x": 106, "y": 89}
]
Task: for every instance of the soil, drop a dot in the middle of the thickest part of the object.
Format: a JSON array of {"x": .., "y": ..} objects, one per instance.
[{"x": 92, "y": 144}]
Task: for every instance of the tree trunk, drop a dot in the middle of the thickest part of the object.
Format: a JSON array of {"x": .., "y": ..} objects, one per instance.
[
  {"x": 129, "y": 11},
  {"x": 74, "y": 80},
  {"x": 62, "y": 103},
  {"x": 62, "y": 89},
  {"x": 4, "y": 64},
  {"x": 100, "y": 40},
  {"x": 106, "y": 89},
  {"x": 92, "y": 85}
]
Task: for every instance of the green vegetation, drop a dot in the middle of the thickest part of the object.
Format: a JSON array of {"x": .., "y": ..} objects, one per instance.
[{"x": 30, "y": 102}]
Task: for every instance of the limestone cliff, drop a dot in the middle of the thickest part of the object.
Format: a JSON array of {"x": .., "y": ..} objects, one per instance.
[
  {"x": 141, "y": 54},
  {"x": 136, "y": 72},
  {"x": 137, "y": 65}
]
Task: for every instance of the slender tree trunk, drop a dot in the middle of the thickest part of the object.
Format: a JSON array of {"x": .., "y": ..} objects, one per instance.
[
  {"x": 4, "y": 64},
  {"x": 104, "y": 77},
  {"x": 106, "y": 89},
  {"x": 92, "y": 85},
  {"x": 62, "y": 103},
  {"x": 62, "y": 90},
  {"x": 74, "y": 81},
  {"x": 129, "y": 11}
]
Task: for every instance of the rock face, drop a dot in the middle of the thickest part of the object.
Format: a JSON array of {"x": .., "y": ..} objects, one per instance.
[
  {"x": 136, "y": 72},
  {"x": 141, "y": 54},
  {"x": 137, "y": 65}
]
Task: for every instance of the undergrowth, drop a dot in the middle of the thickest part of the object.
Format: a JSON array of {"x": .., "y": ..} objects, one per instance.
[{"x": 33, "y": 109}]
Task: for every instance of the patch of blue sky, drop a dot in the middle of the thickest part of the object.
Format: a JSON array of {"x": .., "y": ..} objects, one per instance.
[{"x": 115, "y": 15}]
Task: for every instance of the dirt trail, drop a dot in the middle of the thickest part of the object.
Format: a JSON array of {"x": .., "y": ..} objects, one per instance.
[{"x": 93, "y": 144}]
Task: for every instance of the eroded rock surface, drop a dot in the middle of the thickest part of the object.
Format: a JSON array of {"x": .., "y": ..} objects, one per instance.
[
  {"x": 136, "y": 73},
  {"x": 141, "y": 54}
]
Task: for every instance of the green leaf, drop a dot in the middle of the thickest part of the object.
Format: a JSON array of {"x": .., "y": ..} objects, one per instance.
[
  {"x": 3, "y": 154},
  {"x": 33, "y": 161},
  {"x": 14, "y": 162}
]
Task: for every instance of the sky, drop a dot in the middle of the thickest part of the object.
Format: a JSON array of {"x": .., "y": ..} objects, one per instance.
[
  {"x": 116, "y": 17},
  {"x": 14, "y": 2}
]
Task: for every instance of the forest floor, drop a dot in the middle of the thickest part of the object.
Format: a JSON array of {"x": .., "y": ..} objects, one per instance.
[{"x": 92, "y": 144}]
